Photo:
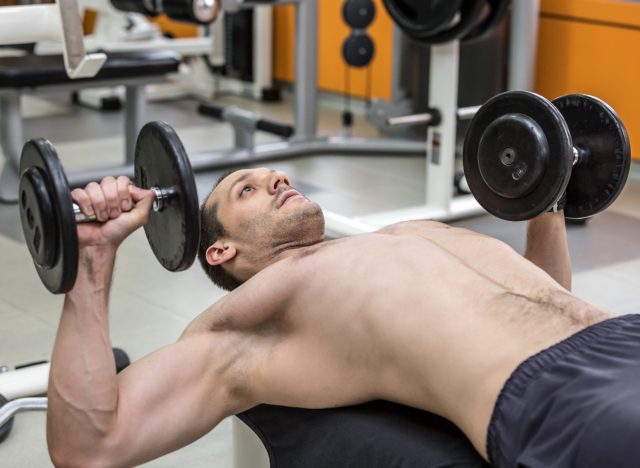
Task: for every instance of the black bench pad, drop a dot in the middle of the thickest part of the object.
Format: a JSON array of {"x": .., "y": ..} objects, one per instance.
[
  {"x": 41, "y": 70},
  {"x": 377, "y": 434}
]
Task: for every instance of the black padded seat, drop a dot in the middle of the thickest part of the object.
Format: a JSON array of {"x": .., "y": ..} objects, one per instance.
[{"x": 41, "y": 70}]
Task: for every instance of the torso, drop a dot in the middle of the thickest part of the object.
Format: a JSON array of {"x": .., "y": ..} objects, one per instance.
[{"x": 436, "y": 318}]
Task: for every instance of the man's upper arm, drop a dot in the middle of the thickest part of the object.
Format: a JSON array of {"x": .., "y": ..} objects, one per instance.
[{"x": 174, "y": 396}]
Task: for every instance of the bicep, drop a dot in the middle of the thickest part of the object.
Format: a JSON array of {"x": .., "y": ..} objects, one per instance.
[{"x": 172, "y": 397}]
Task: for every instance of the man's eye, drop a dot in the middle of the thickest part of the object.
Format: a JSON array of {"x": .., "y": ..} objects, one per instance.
[{"x": 246, "y": 189}]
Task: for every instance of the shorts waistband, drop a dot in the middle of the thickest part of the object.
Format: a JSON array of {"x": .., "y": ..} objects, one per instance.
[{"x": 533, "y": 366}]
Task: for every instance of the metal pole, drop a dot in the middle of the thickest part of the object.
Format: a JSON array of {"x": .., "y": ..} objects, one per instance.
[
  {"x": 11, "y": 127},
  {"x": 441, "y": 139},
  {"x": 134, "y": 115},
  {"x": 306, "y": 51},
  {"x": 525, "y": 16}
]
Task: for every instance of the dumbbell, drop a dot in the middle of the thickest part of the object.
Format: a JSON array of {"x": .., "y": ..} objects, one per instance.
[
  {"x": 522, "y": 152},
  {"x": 49, "y": 216}
]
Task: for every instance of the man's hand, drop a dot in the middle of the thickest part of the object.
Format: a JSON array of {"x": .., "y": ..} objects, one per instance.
[{"x": 118, "y": 205}]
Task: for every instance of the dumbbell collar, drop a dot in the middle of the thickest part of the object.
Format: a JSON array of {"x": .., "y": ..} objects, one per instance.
[{"x": 162, "y": 195}]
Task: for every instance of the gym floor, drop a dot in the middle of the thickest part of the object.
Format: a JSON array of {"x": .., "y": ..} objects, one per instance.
[{"x": 150, "y": 306}]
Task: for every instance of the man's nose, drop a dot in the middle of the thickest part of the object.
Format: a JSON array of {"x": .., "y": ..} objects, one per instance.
[{"x": 278, "y": 179}]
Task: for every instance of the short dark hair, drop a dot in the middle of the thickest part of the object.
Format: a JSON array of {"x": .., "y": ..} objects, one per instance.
[{"x": 211, "y": 229}]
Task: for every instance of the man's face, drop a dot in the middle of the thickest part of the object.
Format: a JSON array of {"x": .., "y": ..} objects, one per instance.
[{"x": 263, "y": 213}]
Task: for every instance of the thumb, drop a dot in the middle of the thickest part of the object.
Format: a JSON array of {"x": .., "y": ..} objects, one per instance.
[
  {"x": 143, "y": 200},
  {"x": 138, "y": 194}
]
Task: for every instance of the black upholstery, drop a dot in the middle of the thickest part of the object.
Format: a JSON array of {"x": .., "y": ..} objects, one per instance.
[
  {"x": 378, "y": 434},
  {"x": 41, "y": 70}
]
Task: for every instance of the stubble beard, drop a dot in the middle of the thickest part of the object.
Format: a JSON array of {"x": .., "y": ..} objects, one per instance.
[{"x": 269, "y": 232}]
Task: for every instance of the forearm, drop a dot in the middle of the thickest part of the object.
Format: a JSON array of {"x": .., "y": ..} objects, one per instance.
[
  {"x": 547, "y": 246},
  {"x": 83, "y": 389}
]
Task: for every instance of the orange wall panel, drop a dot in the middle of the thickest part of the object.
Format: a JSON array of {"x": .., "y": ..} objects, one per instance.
[
  {"x": 591, "y": 46},
  {"x": 332, "y": 31}
]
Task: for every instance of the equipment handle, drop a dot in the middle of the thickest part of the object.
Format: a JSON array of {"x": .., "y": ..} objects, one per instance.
[
  {"x": 217, "y": 112},
  {"x": 276, "y": 128},
  {"x": 21, "y": 404}
]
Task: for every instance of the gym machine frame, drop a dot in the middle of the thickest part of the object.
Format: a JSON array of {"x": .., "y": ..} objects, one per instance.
[
  {"x": 441, "y": 139},
  {"x": 56, "y": 22},
  {"x": 440, "y": 202},
  {"x": 59, "y": 22},
  {"x": 304, "y": 142}
]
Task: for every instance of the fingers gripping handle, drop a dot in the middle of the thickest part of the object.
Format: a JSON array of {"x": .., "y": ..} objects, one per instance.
[{"x": 162, "y": 195}]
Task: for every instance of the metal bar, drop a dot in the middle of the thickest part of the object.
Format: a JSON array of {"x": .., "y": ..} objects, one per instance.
[
  {"x": 415, "y": 119},
  {"x": 441, "y": 140},
  {"x": 21, "y": 404},
  {"x": 467, "y": 113},
  {"x": 9, "y": 180},
  {"x": 431, "y": 118},
  {"x": 87, "y": 84},
  {"x": 262, "y": 49},
  {"x": 134, "y": 115},
  {"x": 11, "y": 130},
  {"x": 525, "y": 16},
  {"x": 270, "y": 152},
  {"x": 306, "y": 93}
]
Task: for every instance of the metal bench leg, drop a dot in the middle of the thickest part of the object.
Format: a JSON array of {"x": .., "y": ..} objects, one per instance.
[
  {"x": 11, "y": 141},
  {"x": 134, "y": 114}
]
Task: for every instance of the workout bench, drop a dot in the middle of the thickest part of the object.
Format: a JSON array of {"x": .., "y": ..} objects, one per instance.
[{"x": 29, "y": 73}]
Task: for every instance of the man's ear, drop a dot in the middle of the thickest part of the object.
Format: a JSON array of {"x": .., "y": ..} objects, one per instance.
[{"x": 219, "y": 253}]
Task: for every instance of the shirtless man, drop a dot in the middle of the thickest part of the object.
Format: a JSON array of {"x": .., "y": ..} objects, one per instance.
[{"x": 419, "y": 313}]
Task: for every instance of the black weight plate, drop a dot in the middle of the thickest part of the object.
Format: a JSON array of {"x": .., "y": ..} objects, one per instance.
[
  {"x": 145, "y": 7},
  {"x": 161, "y": 161},
  {"x": 58, "y": 271},
  {"x": 36, "y": 215},
  {"x": 605, "y": 154},
  {"x": 421, "y": 18},
  {"x": 513, "y": 155},
  {"x": 470, "y": 16},
  {"x": 358, "y": 14},
  {"x": 192, "y": 11},
  {"x": 495, "y": 12},
  {"x": 358, "y": 50},
  {"x": 5, "y": 429},
  {"x": 553, "y": 180}
]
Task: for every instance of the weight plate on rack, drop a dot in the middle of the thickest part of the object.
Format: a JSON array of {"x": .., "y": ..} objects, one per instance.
[
  {"x": 358, "y": 50},
  {"x": 358, "y": 14}
]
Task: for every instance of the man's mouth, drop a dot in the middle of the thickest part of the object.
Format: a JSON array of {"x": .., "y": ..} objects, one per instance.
[{"x": 291, "y": 193}]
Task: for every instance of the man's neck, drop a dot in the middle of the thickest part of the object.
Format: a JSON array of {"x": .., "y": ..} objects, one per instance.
[{"x": 277, "y": 254}]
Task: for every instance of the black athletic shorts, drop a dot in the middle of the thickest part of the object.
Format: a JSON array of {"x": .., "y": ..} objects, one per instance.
[{"x": 576, "y": 404}]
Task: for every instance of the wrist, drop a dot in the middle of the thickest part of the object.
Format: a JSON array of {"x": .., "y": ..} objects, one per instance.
[{"x": 95, "y": 268}]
